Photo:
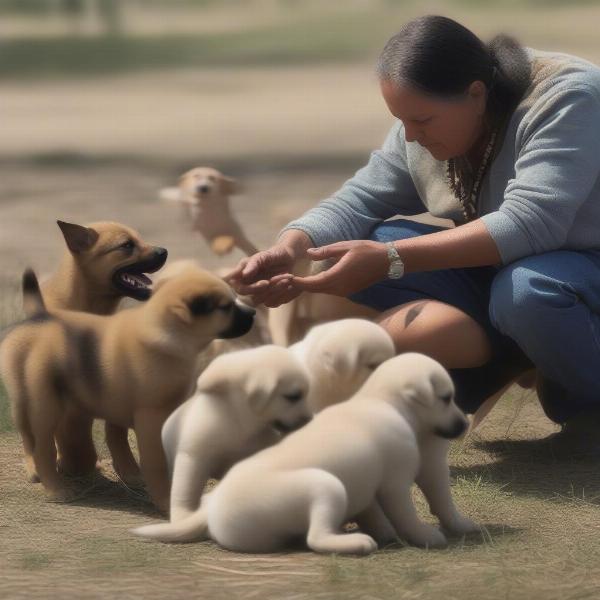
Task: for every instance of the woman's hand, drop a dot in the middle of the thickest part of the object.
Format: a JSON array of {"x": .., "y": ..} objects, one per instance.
[
  {"x": 266, "y": 275},
  {"x": 358, "y": 264}
]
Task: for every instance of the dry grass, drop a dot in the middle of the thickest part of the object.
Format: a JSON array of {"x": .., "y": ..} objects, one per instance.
[
  {"x": 539, "y": 509},
  {"x": 539, "y": 513}
]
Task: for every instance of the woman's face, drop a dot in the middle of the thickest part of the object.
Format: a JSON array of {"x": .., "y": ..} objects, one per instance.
[{"x": 447, "y": 128}]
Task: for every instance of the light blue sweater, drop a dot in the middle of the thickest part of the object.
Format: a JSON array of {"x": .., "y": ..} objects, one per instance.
[{"x": 541, "y": 192}]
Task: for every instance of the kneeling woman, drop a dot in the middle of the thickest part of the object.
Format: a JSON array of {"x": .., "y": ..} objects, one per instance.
[{"x": 504, "y": 141}]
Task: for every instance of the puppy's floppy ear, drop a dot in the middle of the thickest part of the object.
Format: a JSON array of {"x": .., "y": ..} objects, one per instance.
[
  {"x": 258, "y": 401},
  {"x": 412, "y": 396},
  {"x": 340, "y": 362},
  {"x": 230, "y": 185},
  {"x": 198, "y": 306},
  {"x": 202, "y": 305},
  {"x": 259, "y": 390},
  {"x": 187, "y": 174},
  {"x": 213, "y": 380},
  {"x": 170, "y": 194},
  {"x": 78, "y": 238}
]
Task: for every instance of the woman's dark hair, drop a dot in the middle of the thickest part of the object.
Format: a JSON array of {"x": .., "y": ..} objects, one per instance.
[{"x": 442, "y": 57}]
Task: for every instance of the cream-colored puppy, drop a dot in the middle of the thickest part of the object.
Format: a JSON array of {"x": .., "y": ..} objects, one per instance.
[
  {"x": 243, "y": 400},
  {"x": 334, "y": 468},
  {"x": 205, "y": 192},
  {"x": 339, "y": 357},
  {"x": 355, "y": 460}
]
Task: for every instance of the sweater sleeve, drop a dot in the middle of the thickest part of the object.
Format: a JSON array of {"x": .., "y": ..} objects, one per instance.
[
  {"x": 380, "y": 190},
  {"x": 555, "y": 171}
]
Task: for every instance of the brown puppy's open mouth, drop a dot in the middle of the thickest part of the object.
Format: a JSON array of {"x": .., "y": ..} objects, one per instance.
[{"x": 131, "y": 280}]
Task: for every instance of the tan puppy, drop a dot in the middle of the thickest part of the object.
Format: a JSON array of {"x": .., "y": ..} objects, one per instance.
[
  {"x": 104, "y": 263},
  {"x": 333, "y": 469},
  {"x": 131, "y": 369},
  {"x": 205, "y": 194},
  {"x": 238, "y": 409},
  {"x": 339, "y": 357}
]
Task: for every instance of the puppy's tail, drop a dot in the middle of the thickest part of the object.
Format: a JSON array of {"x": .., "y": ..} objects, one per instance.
[
  {"x": 191, "y": 529},
  {"x": 33, "y": 302}
]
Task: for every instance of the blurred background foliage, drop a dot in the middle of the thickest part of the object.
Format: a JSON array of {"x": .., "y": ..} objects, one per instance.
[{"x": 40, "y": 38}]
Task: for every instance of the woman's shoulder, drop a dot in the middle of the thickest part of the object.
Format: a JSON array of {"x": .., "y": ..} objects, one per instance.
[
  {"x": 554, "y": 73},
  {"x": 558, "y": 81}
]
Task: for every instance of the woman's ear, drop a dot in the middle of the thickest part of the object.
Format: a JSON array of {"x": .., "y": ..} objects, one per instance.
[{"x": 477, "y": 92}]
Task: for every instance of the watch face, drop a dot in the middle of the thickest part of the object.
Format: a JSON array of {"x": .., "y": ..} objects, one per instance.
[{"x": 396, "y": 270}]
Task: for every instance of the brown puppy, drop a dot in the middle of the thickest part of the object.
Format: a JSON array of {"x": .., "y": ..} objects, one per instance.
[
  {"x": 131, "y": 369},
  {"x": 205, "y": 193},
  {"x": 104, "y": 263}
]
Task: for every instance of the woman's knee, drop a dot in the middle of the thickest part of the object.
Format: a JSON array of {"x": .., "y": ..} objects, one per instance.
[
  {"x": 439, "y": 330},
  {"x": 524, "y": 293}
]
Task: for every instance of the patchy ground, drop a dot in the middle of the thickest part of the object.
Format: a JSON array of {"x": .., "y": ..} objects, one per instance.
[
  {"x": 540, "y": 510},
  {"x": 539, "y": 514}
]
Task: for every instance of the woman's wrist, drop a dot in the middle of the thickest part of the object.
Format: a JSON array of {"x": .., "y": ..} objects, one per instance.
[{"x": 296, "y": 242}]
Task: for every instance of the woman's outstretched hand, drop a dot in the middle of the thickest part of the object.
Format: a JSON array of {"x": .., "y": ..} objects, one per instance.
[
  {"x": 266, "y": 275},
  {"x": 357, "y": 265}
]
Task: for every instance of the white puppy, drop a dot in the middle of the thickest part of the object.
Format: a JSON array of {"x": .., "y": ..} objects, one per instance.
[
  {"x": 242, "y": 400},
  {"x": 339, "y": 357},
  {"x": 335, "y": 467}
]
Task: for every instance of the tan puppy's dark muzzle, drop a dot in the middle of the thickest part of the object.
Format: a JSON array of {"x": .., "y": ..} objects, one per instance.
[{"x": 243, "y": 319}]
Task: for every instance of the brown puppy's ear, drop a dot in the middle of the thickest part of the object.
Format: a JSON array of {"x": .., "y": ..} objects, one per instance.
[
  {"x": 230, "y": 185},
  {"x": 78, "y": 237}
]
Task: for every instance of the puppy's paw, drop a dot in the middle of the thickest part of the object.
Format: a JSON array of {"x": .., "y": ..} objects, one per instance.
[
  {"x": 61, "y": 495},
  {"x": 428, "y": 537},
  {"x": 31, "y": 471},
  {"x": 364, "y": 543},
  {"x": 461, "y": 525},
  {"x": 222, "y": 244},
  {"x": 345, "y": 543}
]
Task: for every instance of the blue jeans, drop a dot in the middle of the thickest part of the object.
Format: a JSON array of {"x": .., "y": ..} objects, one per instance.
[{"x": 542, "y": 311}]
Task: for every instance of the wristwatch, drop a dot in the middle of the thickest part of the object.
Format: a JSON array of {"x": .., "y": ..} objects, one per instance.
[{"x": 396, "y": 269}]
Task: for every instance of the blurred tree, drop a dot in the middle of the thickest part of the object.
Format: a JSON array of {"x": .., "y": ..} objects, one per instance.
[{"x": 108, "y": 12}]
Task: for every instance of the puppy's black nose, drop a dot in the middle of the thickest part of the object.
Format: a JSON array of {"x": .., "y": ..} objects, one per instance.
[
  {"x": 160, "y": 257},
  {"x": 203, "y": 189}
]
